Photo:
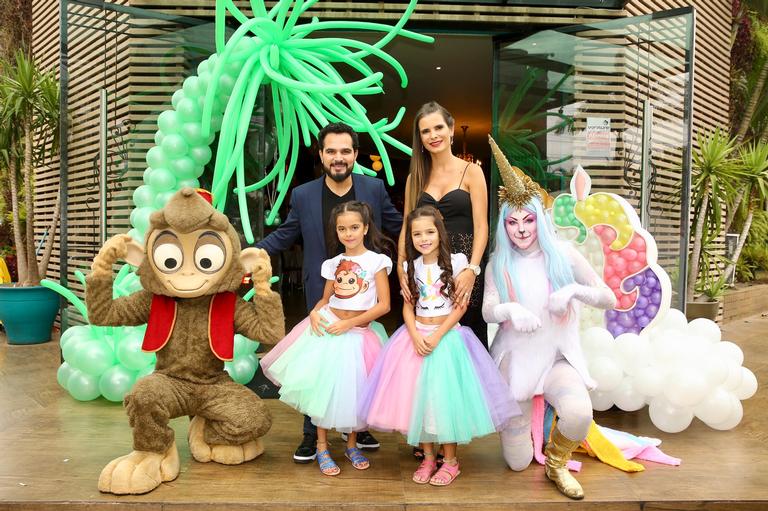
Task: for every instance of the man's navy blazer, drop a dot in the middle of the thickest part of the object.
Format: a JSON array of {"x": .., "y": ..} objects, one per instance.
[{"x": 305, "y": 219}]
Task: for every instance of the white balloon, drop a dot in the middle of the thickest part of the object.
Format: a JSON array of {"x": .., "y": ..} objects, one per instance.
[
  {"x": 668, "y": 348},
  {"x": 748, "y": 385},
  {"x": 601, "y": 401},
  {"x": 705, "y": 330},
  {"x": 596, "y": 341},
  {"x": 649, "y": 381},
  {"x": 713, "y": 369},
  {"x": 668, "y": 417},
  {"x": 627, "y": 397},
  {"x": 686, "y": 387},
  {"x": 716, "y": 407},
  {"x": 733, "y": 420},
  {"x": 726, "y": 350},
  {"x": 733, "y": 381},
  {"x": 674, "y": 320},
  {"x": 606, "y": 373},
  {"x": 633, "y": 352}
]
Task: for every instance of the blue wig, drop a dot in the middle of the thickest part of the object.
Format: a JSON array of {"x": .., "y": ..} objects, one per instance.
[{"x": 503, "y": 259}]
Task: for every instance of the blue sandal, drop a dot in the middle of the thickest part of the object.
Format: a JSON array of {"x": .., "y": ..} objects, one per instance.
[
  {"x": 359, "y": 461},
  {"x": 327, "y": 466}
]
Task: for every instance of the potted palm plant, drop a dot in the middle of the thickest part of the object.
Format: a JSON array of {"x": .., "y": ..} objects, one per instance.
[
  {"x": 710, "y": 291},
  {"x": 714, "y": 180},
  {"x": 29, "y": 119}
]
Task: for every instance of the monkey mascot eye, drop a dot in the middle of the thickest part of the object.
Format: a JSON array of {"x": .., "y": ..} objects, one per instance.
[
  {"x": 352, "y": 280},
  {"x": 167, "y": 254},
  {"x": 210, "y": 253}
]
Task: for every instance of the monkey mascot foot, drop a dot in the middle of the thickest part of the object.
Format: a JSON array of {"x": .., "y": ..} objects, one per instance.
[
  {"x": 139, "y": 472},
  {"x": 224, "y": 454}
]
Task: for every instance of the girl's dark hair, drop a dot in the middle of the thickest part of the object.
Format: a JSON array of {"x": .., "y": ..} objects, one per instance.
[
  {"x": 374, "y": 239},
  {"x": 443, "y": 255}
]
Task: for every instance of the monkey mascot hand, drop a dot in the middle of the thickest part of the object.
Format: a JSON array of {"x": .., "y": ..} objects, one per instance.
[{"x": 190, "y": 267}]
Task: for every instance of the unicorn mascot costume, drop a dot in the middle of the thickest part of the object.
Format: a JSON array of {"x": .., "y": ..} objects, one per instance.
[{"x": 534, "y": 286}]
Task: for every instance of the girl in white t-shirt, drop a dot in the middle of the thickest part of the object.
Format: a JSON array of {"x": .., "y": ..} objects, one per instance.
[
  {"x": 323, "y": 363},
  {"x": 434, "y": 380}
]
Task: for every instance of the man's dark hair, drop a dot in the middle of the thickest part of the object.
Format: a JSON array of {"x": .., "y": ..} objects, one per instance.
[{"x": 338, "y": 128}]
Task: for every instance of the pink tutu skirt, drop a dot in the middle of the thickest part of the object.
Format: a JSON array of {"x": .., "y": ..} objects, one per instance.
[{"x": 454, "y": 394}]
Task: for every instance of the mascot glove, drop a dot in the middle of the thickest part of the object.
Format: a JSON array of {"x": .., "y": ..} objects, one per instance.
[{"x": 521, "y": 318}]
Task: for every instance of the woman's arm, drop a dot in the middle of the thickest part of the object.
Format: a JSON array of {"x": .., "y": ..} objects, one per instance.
[
  {"x": 375, "y": 312},
  {"x": 479, "y": 197},
  {"x": 418, "y": 340},
  {"x": 589, "y": 288},
  {"x": 494, "y": 311}
]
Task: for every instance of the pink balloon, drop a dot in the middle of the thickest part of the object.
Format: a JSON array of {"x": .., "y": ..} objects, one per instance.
[
  {"x": 629, "y": 254},
  {"x": 636, "y": 266},
  {"x": 638, "y": 243}
]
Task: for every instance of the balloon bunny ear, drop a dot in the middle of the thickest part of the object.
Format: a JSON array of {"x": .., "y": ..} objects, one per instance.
[{"x": 581, "y": 183}]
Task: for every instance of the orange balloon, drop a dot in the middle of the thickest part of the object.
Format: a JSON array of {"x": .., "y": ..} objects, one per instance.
[{"x": 377, "y": 166}]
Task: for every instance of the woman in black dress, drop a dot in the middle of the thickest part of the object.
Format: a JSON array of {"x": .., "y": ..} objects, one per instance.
[{"x": 458, "y": 190}]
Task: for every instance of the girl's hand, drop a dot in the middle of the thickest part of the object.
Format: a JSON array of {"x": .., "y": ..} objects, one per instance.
[
  {"x": 465, "y": 281},
  {"x": 317, "y": 323},
  {"x": 404, "y": 289},
  {"x": 420, "y": 344},
  {"x": 432, "y": 342},
  {"x": 339, "y": 327}
]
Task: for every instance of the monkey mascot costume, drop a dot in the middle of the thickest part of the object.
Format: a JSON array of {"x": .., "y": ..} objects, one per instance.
[{"x": 190, "y": 267}]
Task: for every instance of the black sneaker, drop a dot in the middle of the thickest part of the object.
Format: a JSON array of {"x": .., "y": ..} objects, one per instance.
[
  {"x": 364, "y": 441},
  {"x": 307, "y": 450}
]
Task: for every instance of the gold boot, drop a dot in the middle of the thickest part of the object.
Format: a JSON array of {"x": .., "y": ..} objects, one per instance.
[{"x": 558, "y": 452}]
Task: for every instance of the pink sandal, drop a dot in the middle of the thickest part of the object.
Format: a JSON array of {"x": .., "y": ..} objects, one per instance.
[
  {"x": 445, "y": 475},
  {"x": 425, "y": 471}
]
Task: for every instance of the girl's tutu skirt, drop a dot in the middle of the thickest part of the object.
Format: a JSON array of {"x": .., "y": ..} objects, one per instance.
[
  {"x": 454, "y": 394},
  {"x": 324, "y": 376}
]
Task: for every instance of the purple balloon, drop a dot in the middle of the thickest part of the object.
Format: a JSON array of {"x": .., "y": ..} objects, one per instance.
[
  {"x": 611, "y": 314},
  {"x": 651, "y": 310},
  {"x": 618, "y": 330},
  {"x": 643, "y": 321},
  {"x": 646, "y": 291},
  {"x": 626, "y": 320},
  {"x": 642, "y": 302},
  {"x": 638, "y": 311},
  {"x": 653, "y": 282},
  {"x": 656, "y": 297}
]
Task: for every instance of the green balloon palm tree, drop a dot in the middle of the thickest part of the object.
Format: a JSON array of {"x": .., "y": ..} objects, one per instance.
[{"x": 29, "y": 116}]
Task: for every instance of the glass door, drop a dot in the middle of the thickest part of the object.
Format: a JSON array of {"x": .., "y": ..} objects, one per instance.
[{"x": 614, "y": 98}]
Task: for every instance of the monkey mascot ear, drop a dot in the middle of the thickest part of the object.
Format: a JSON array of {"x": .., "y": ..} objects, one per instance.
[{"x": 135, "y": 253}]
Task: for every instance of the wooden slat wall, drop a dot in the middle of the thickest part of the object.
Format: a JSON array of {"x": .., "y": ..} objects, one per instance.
[
  {"x": 97, "y": 58},
  {"x": 712, "y": 64},
  {"x": 433, "y": 13}
]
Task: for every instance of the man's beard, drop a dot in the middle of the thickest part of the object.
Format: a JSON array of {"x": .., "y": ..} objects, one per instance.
[{"x": 338, "y": 177}]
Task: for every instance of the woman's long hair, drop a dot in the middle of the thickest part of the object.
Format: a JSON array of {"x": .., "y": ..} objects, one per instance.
[
  {"x": 503, "y": 260},
  {"x": 443, "y": 256},
  {"x": 421, "y": 160},
  {"x": 374, "y": 239}
]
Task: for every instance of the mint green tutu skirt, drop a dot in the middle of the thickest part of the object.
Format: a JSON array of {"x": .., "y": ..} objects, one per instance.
[{"x": 324, "y": 376}]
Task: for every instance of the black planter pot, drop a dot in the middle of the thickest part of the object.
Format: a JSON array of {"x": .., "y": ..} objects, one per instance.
[{"x": 695, "y": 310}]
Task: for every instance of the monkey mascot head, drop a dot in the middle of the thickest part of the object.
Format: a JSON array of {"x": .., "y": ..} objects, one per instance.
[{"x": 191, "y": 250}]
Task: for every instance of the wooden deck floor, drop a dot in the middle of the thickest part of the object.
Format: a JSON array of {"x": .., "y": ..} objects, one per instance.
[{"x": 52, "y": 449}]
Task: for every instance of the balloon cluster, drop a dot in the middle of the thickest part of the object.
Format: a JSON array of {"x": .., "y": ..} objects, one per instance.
[
  {"x": 627, "y": 260},
  {"x": 307, "y": 92},
  {"x": 680, "y": 369},
  {"x": 107, "y": 361}
]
